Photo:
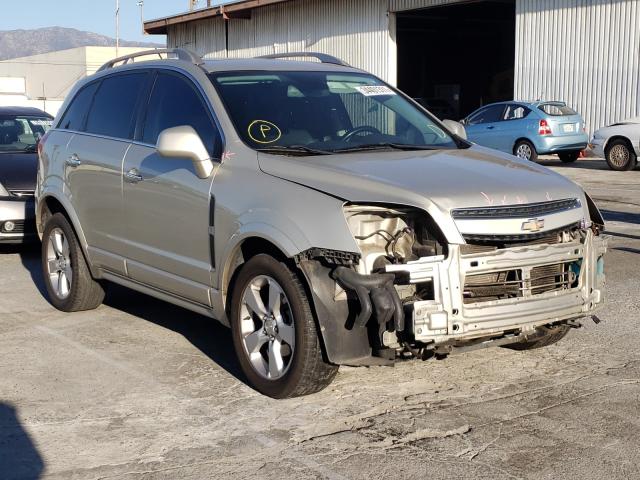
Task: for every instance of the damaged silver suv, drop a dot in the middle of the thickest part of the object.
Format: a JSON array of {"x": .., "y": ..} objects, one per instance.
[{"x": 320, "y": 213}]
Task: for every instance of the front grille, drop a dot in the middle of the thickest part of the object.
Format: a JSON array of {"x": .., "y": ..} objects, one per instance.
[
  {"x": 517, "y": 211},
  {"x": 504, "y": 241},
  {"x": 514, "y": 283},
  {"x": 22, "y": 193},
  {"x": 19, "y": 227}
]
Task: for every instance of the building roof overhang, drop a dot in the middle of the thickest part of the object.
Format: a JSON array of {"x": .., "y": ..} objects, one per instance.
[{"x": 239, "y": 9}]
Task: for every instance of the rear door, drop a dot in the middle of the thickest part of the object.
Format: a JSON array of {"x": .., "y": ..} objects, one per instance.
[
  {"x": 483, "y": 127},
  {"x": 93, "y": 167},
  {"x": 166, "y": 205}
]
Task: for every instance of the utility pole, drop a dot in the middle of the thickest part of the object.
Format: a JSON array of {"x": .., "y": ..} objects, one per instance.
[
  {"x": 141, "y": 5},
  {"x": 117, "y": 27}
]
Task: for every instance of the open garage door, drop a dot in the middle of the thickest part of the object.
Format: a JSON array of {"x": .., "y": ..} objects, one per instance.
[{"x": 457, "y": 58}]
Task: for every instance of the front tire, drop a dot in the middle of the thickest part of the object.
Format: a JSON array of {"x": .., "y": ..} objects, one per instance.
[
  {"x": 620, "y": 155},
  {"x": 569, "y": 157},
  {"x": 274, "y": 331},
  {"x": 543, "y": 337},
  {"x": 69, "y": 283},
  {"x": 526, "y": 150}
]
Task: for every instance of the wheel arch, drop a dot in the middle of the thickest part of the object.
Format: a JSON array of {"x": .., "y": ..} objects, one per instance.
[
  {"x": 613, "y": 138},
  {"x": 521, "y": 139},
  {"x": 49, "y": 204}
]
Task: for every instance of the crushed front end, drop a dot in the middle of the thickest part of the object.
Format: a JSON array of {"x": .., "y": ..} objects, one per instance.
[{"x": 413, "y": 294}]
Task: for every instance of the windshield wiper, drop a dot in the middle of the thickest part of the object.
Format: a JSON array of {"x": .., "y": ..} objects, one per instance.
[
  {"x": 381, "y": 146},
  {"x": 295, "y": 150}
]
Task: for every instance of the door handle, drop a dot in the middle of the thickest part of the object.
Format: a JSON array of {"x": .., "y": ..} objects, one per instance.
[
  {"x": 491, "y": 127},
  {"x": 133, "y": 176},
  {"x": 73, "y": 160}
]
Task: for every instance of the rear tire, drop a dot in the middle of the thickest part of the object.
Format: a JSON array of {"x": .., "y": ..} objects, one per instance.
[
  {"x": 620, "y": 155},
  {"x": 274, "y": 331},
  {"x": 525, "y": 149},
  {"x": 569, "y": 157},
  {"x": 69, "y": 283},
  {"x": 543, "y": 337}
]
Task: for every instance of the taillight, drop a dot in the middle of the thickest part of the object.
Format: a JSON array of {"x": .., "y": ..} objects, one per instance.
[
  {"x": 41, "y": 142},
  {"x": 544, "y": 128}
]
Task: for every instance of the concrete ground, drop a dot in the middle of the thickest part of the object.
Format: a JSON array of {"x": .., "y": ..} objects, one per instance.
[{"x": 139, "y": 389}]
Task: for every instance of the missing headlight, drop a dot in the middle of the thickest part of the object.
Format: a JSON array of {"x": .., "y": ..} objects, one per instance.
[{"x": 392, "y": 235}]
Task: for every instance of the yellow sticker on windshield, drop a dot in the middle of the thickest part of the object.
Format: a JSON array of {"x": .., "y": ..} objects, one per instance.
[{"x": 263, "y": 131}]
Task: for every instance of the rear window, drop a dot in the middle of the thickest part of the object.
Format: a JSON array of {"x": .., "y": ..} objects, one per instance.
[
  {"x": 73, "y": 118},
  {"x": 557, "y": 109},
  {"x": 114, "y": 105}
]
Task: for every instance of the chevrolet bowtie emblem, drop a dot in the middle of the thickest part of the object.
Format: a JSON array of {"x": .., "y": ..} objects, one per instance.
[{"x": 533, "y": 225}]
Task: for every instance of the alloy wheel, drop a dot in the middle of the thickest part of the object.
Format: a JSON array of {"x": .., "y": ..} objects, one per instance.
[
  {"x": 59, "y": 263},
  {"x": 267, "y": 327},
  {"x": 619, "y": 156},
  {"x": 524, "y": 151}
]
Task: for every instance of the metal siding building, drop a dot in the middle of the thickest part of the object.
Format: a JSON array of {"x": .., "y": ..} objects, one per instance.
[{"x": 585, "y": 52}]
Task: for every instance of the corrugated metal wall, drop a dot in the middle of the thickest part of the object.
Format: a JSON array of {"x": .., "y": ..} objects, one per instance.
[
  {"x": 585, "y": 52},
  {"x": 358, "y": 31}
]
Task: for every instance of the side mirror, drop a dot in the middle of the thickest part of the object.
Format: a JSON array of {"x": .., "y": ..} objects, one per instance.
[
  {"x": 456, "y": 127},
  {"x": 184, "y": 142}
]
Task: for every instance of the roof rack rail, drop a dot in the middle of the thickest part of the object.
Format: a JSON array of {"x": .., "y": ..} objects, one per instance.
[
  {"x": 323, "y": 57},
  {"x": 180, "y": 53}
]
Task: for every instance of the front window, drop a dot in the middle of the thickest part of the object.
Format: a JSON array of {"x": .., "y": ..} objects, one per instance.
[
  {"x": 320, "y": 112},
  {"x": 22, "y": 133}
]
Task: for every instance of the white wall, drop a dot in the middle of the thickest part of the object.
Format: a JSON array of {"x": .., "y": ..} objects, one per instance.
[{"x": 585, "y": 52}]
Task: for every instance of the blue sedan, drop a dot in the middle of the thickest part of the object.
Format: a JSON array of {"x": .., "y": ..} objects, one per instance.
[{"x": 529, "y": 129}]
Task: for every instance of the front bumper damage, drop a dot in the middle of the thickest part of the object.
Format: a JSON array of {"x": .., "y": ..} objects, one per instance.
[{"x": 361, "y": 322}]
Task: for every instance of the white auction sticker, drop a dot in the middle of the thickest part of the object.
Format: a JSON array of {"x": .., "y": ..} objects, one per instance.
[
  {"x": 375, "y": 90},
  {"x": 42, "y": 123}
]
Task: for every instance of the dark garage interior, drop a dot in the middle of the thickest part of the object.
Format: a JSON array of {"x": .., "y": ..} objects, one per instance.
[{"x": 457, "y": 58}]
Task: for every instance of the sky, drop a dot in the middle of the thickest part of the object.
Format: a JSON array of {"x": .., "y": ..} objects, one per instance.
[{"x": 91, "y": 15}]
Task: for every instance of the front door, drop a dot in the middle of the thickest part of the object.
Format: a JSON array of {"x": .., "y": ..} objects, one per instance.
[
  {"x": 484, "y": 126},
  {"x": 166, "y": 205}
]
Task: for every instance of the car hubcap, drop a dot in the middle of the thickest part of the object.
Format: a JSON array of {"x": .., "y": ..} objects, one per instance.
[
  {"x": 267, "y": 327},
  {"x": 59, "y": 263},
  {"x": 524, "y": 151},
  {"x": 619, "y": 156}
]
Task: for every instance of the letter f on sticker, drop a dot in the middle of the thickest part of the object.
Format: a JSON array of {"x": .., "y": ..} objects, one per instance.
[{"x": 264, "y": 129}]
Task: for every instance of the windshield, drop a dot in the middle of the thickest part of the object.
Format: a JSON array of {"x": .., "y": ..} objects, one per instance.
[
  {"x": 22, "y": 133},
  {"x": 322, "y": 113}
]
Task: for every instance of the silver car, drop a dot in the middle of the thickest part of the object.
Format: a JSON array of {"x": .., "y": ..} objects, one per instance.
[
  {"x": 619, "y": 144},
  {"x": 320, "y": 213}
]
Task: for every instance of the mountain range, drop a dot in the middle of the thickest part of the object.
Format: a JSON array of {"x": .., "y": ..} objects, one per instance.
[{"x": 21, "y": 43}]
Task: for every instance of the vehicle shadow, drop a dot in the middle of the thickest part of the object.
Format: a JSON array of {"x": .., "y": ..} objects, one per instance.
[
  {"x": 19, "y": 457},
  {"x": 580, "y": 164},
  {"x": 210, "y": 337},
  {"x": 207, "y": 335},
  {"x": 623, "y": 217},
  {"x": 30, "y": 257},
  {"x": 627, "y": 249}
]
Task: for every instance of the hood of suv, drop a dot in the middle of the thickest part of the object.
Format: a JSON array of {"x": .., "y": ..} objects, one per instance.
[
  {"x": 18, "y": 171},
  {"x": 451, "y": 179}
]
